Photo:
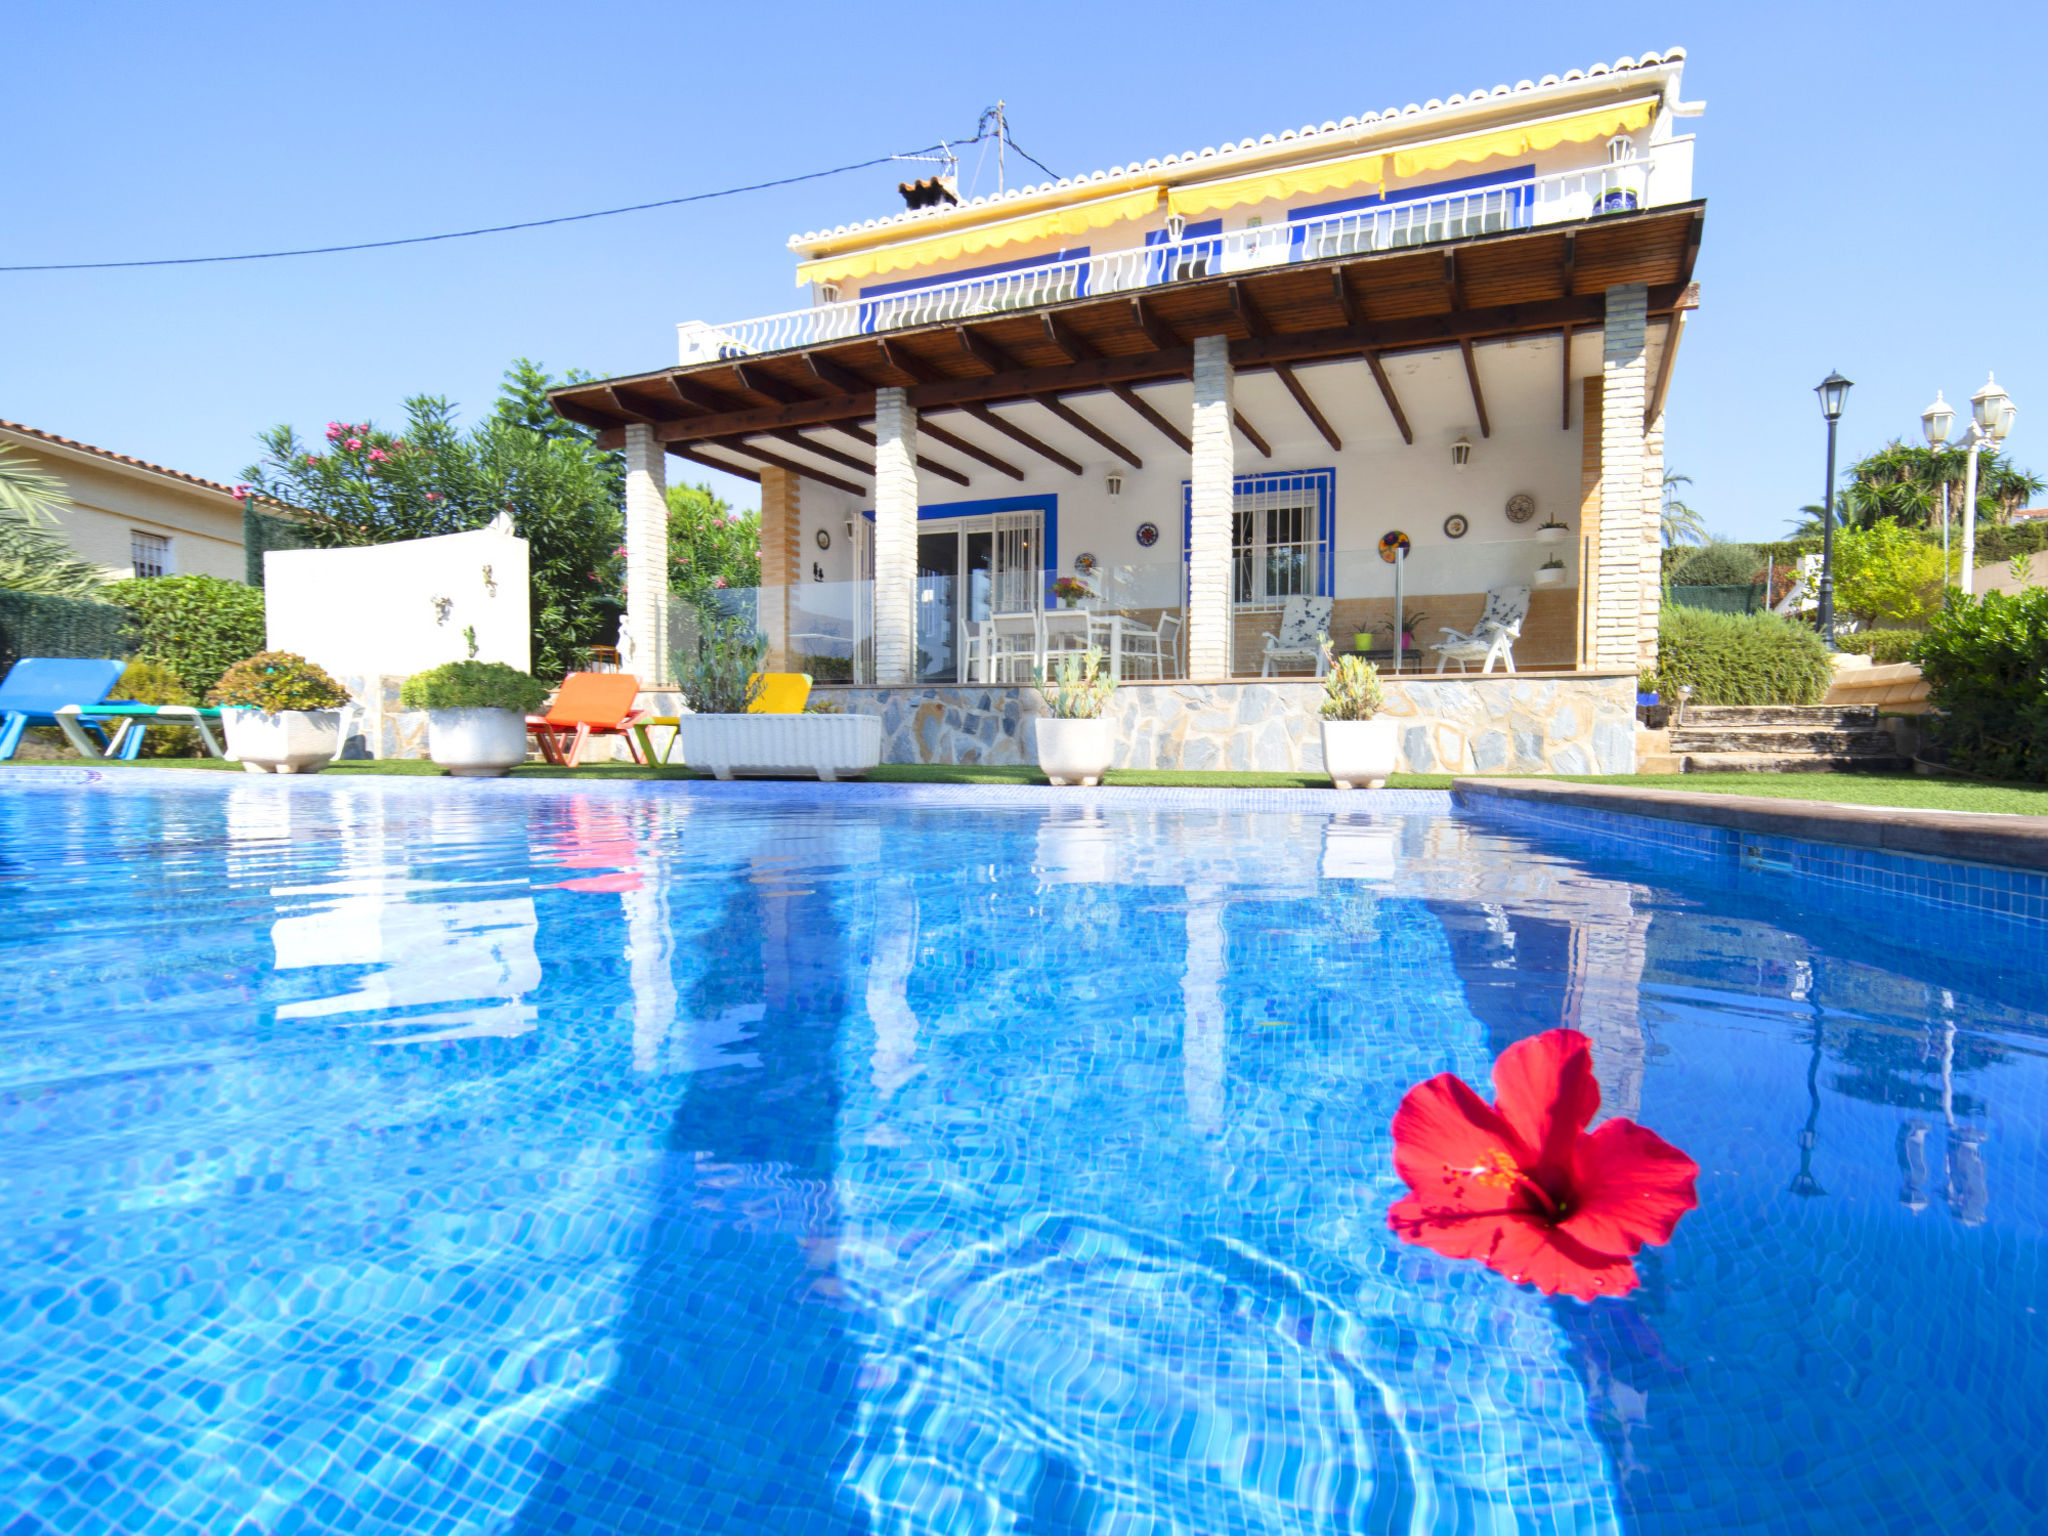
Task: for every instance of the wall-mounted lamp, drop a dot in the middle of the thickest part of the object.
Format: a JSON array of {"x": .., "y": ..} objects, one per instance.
[
  {"x": 1176, "y": 226},
  {"x": 1461, "y": 453},
  {"x": 1113, "y": 483}
]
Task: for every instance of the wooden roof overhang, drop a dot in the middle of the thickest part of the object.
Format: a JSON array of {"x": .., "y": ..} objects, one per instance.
[{"x": 1362, "y": 307}]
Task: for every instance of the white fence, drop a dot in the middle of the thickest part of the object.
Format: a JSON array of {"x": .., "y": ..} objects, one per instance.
[{"x": 1618, "y": 187}]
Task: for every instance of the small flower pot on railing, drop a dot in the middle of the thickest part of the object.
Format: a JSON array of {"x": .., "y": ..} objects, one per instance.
[{"x": 1615, "y": 200}]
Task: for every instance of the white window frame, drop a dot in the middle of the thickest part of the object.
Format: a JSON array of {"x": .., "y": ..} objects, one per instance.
[{"x": 168, "y": 564}]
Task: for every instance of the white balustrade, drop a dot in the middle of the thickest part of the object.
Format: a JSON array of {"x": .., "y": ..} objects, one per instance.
[{"x": 1616, "y": 187}]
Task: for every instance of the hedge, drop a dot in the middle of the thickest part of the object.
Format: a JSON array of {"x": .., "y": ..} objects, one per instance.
[
  {"x": 1741, "y": 659},
  {"x": 33, "y": 624},
  {"x": 1718, "y": 599},
  {"x": 1986, "y": 663},
  {"x": 198, "y": 626},
  {"x": 1885, "y": 647},
  {"x": 264, "y": 531}
]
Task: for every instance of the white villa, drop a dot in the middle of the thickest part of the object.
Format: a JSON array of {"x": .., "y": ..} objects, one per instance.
[{"x": 1412, "y": 360}]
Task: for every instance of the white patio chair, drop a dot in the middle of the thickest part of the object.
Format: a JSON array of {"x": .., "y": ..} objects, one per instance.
[
  {"x": 1303, "y": 623},
  {"x": 1157, "y": 648},
  {"x": 1005, "y": 647},
  {"x": 1065, "y": 629},
  {"x": 1492, "y": 638}
]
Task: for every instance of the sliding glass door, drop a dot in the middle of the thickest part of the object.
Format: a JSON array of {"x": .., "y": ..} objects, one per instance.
[{"x": 968, "y": 570}]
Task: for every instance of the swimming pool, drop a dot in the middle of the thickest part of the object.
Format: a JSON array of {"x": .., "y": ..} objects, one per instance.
[{"x": 376, "y": 1157}]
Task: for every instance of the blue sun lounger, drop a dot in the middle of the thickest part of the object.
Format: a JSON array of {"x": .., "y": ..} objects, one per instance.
[{"x": 37, "y": 687}]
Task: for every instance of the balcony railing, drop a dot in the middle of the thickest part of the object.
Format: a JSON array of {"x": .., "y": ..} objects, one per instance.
[{"x": 1621, "y": 186}]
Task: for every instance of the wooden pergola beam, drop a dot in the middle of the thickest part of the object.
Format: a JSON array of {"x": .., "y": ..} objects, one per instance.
[
  {"x": 984, "y": 351},
  {"x": 1147, "y": 412},
  {"x": 1251, "y": 434},
  {"x": 1346, "y": 299},
  {"x": 695, "y": 457},
  {"x": 1087, "y": 428},
  {"x": 1073, "y": 347},
  {"x": 1674, "y": 328},
  {"x": 768, "y": 387},
  {"x": 1017, "y": 434},
  {"x": 837, "y": 375},
  {"x": 1153, "y": 327},
  {"x": 1379, "y": 377},
  {"x": 777, "y": 461},
  {"x": 698, "y": 395},
  {"x": 980, "y": 455},
  {"x": 946, "y": 392},
  {"x": 866, "y": 439},
  {"x": 796, "y": 439},
  {"x": 1308, "y": 406},
  {"x": 1452, "y": 291},
  {"x": 1567, "y": 376},
  {"x": 1246, "y": 308},
  {"x": 1472, "y": 378},
  {"x": 903, "y": 360}
]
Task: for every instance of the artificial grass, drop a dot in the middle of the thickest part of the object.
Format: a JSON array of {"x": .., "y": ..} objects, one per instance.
[{"x": 1903, "y": 790}]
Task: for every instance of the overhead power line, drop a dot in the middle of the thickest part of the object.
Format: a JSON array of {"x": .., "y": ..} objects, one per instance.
[{"x": 465, "y": 234}]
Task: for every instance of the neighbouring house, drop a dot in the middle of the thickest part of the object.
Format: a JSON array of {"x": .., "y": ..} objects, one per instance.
[
  {"x": 1399, "y": 369},
  {"x": 134, "y": 518}
]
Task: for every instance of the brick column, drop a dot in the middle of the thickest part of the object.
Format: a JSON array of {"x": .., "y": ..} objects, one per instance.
[
  {"x": 1214, "y": 475},
  {"x": 643, "y": 640},
  {"x": 1618, "y": 557},
  {"x": 781, "y": 561},
  {"x": 895, "y": 538}
]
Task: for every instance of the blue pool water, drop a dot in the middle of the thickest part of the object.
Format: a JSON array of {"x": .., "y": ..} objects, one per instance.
[{"x": 386, "y": 1157}]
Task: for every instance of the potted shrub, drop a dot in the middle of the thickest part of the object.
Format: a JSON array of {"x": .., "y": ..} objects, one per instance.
[
  {"x": 281, "y": 713},
  {"x": 1408, "y": 624},
  {"x": 1552, "y": 532},
  {"x": 1358, "y": 746},
  {"x": 722, "y": 736},
  {"x": 1615, "y": 200},
  {"x": 1073, "y": 738},
  {"x": 1362, "y": 640},
  {"x": 1646, "y": 690},
  {"x": 1550, "y": 573},
  {"x": 476, "y": 714}
]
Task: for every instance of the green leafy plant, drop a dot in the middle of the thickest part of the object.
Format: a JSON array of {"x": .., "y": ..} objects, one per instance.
[
  {"x": 722, "y": 676},
  {"x": 273, "y": 681},
  {"x": 473, "y": 685},
  {"x": 1351, "y": 687},
  {"x": 38, "y": 624},
  {"x": 1885, "y": 647},
  {"x": 198, "y": 626},
  {"x": 1732, "y": 658},
  {"x": 33, "y": 556},
  {"x": 151, "y": 682},
  {"x": 1888, "y": 572},
  {"x": 1718, "y": 565},
  {"x": 564, "y": 495},
  {"x": 1649, "y": 682},
  {"x": 1986, "y": 663},
  {"x": 1079, "y": 688}
]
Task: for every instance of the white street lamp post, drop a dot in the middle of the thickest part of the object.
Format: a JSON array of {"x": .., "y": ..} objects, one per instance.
[
  {"x": 1992, "y": 417},
  {"x": 1935, "y": 422}
]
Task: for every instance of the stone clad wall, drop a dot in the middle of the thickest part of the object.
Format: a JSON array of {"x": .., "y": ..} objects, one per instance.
[{"x": 1534, "y": 723}]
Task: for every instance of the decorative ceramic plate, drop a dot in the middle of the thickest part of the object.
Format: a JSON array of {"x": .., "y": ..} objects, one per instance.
[
  {"x": 1084, "y": 564},
  {"x": 1455, "y": 526},
  {"x": 1392, "y": 544},
  {"x": 824, "y": 539},
  {"x": 1148, "y": 535},
  {"x": 1521, "y": 507}
]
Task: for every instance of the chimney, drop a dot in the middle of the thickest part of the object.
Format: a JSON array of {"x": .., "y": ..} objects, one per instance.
[{"x": 932, "y": 192}]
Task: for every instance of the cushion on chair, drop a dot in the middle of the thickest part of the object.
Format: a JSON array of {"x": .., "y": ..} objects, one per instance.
[
  {"x": 602, "y": 699},
  {"x": 40, "y": 686},
  {"x": 1303, "y": 623},
  {"x": 782, "y": 693}
]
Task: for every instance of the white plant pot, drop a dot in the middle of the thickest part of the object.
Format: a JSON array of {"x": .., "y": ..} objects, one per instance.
[
  {"x": 1550, "y": 576},
  {"x": 290, "y": 741},
  {"x": 1073, "y": 751},
  {"x": 1360, "y": 752},
  {"x": 1551, "y": 535},
  {"x": 832, "y": 747},
  {"x": 476, "y": 743}
]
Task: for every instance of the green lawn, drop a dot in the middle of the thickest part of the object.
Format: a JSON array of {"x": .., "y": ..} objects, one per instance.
[{"x": 1905, "y": 790}]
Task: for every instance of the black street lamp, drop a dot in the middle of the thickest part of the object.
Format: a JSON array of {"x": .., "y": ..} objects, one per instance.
[{"x": 1833, "y": 390}]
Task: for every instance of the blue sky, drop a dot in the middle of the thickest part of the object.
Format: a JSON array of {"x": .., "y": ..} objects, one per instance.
[{"x": 1842, "y": 154}]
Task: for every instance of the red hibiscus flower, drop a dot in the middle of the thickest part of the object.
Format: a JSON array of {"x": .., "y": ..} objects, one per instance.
[{"x": 1521, "y": 1187}]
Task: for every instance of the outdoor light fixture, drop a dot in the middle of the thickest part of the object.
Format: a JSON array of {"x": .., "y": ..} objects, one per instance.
[
  {"x": 1988, "y": 405},
  {"x": 1992, "y": 415},
  {"x": 1936, "y": 420},
  {"x": 1833, "y": 391},
  {"x": 1113, "y": 483},
  {"x": 1176, "y": 226},
  {"x": 1461, "y": 452}
]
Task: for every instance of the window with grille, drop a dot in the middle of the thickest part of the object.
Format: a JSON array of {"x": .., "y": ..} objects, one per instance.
[
  {"x": 149, "y": 553},
  {"x": 1281, "y": 527}
]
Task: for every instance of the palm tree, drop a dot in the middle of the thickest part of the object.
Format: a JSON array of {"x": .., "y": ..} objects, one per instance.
[
  {"x": 32, "y": 559},
  {"x": 1679, "y": 523}
]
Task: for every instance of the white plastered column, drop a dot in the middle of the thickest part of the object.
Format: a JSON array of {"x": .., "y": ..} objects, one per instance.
[
  {"x": 1624, "y": 389},
  {"x": 1214, "y": 477},
  {"x": 895, "y": 537},
  {"x": 643, "y": 646}
]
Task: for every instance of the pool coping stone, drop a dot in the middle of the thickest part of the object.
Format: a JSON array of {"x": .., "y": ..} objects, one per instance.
[{"x": 1971, "y": 837}]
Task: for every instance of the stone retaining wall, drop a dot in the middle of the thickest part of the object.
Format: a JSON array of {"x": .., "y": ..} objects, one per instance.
[{"x": 1533, "y": 723}]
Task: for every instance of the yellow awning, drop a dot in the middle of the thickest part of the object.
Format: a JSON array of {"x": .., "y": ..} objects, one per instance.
[
  {"x": 1275, "y": 186},
  {"x": 962, "y": 242},
  {"x": 1515, "y": 142}
]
